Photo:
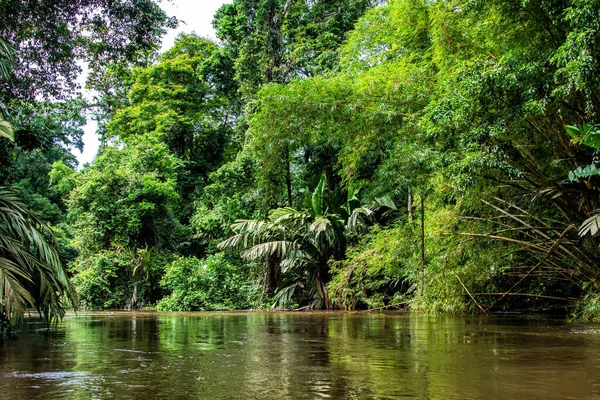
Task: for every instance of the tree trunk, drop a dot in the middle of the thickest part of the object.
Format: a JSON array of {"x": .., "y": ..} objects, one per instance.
[
  {"x": 288, "y": 180},
  {"x": 272, "y": 273},
  {"x": 410, "y": 204},
  {"x": 422, "y": 244},
  {"x": 330, "y": 178},
  {"x": 133, "y": 300}
]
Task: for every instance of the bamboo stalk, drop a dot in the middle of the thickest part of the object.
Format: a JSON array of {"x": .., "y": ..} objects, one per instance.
[
  {"x": 471, "y": 296},
  {"x": 388, "y": 306},
  {"x": 571, "y": 299},
  {"x": 527, "y": 225},
  {"x": 505, "y": 239},
  {"x": 422, "y": 244},
  {"x": 552, "y": 249}
]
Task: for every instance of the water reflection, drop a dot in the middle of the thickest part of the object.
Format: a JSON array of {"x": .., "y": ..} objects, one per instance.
[{"x": 298, "y": 355}]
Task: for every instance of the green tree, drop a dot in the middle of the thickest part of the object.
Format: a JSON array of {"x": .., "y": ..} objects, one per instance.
[
  {"x": 42, "y": 48},
  {"x": 185, "y": 100},
  {"x": 122, "y": 213},
  {"x": 31, "y": 274},
  {"x": 278, "y": 40},
  {"x": 230, "y": 194},
  {"x": 463, "y": 103},
  {"x": 128, "y": 196},
  {"x": 50, "y": 39}
]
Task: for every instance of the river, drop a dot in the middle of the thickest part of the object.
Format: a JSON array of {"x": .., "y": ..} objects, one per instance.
[{"x": 301, "y": 356}]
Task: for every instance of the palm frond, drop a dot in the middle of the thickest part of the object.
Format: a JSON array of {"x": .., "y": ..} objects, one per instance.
[
  {"x": 299, "y": 261},
  {"x": 383, "y": 202},
  {"x": 283, "y": 297},
  {"x": 590, "y": 225},
  {"x": 359, "y": 220},
  {"x": 323, "y": 230},
  {"x": 7, "y": 53},
  {"x": 6, "y": 130},
  {"x": 281, "y": 248},
  {"x": 250, "y": 232},
  {"x": 32, "y": 274}
]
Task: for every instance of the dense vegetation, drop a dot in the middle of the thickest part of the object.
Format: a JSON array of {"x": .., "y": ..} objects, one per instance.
[{"x": 324, "y": 154}]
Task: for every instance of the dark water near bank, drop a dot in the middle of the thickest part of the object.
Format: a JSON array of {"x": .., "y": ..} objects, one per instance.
[{"x": 301, "y": 356}]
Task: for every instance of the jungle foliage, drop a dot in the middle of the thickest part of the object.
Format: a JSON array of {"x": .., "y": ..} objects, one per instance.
[{"x": 439, "y": 155}]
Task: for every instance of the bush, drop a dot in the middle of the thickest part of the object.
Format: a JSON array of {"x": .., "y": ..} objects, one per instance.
[
  {"x": 588, "y": 308},
  {"x": 376, "y": 271},
  {"x": 98, "y": 283},
  {"x": 109, "y": 278},
  {"x": 384, "y": 268},
  {"x": 210, "y": 284}
]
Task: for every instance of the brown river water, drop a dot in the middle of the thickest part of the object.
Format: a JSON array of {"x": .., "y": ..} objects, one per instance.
[{"x": 301, "y": 356}]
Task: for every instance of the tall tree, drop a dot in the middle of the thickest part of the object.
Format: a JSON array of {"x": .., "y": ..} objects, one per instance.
[
  {"x": 188, "y": 101},
  {"x": 52, "y": 38},
  {"x": 278, "y": 40}
]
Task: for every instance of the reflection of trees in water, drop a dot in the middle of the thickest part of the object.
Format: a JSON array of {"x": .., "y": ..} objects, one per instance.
[{"x": 297, "y": 355}]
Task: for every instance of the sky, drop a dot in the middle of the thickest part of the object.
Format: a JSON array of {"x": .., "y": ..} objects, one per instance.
[{"x": 196, "y": 16}]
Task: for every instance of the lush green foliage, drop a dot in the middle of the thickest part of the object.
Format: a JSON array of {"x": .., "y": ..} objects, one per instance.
[
  {"x": 277, "y": 40},
  {"x": 51, "y": 37},
  {"x": 128, "y": 196},
  {"x": 470, "y": 128},
  {"x": 464, "y": 104},
  {"x": 299, "y": 243},
  {"x": 211, "y": 284},
  {"x": 119, "y": 278}
]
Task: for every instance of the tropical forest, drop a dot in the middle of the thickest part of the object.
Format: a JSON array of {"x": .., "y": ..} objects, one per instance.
[
  {"x": 343, "y": 196},
  {"x": 437, "y": 156}
]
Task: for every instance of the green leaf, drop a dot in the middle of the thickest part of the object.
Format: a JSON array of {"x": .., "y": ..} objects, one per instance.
[
  {"x": 6, "y": 130},
  {"x": 317, "y": 198}
]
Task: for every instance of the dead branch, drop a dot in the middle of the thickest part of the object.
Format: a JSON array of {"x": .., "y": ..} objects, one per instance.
[{"x": 471, "y": 296}]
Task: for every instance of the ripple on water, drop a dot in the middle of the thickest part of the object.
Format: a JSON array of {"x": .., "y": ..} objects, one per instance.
[
  {"x": 62, "y": 379},
  {"x": 136, "y": 351},
  {"x": 55, "y": 375},
  {"x": 586, "y": 331},
  {"x": 263, "y": 357}
]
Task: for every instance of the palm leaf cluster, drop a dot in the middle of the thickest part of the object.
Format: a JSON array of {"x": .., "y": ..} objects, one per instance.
[
  {"x": 31, "y": 274},
  {"x": 303, "y": 241},
  {"x": 6, "y": 59}
]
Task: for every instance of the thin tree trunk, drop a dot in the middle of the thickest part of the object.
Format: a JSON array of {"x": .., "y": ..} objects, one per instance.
[
  {"x": 272, "y": 273},
  {"x": 133, "y": 300},
  {"x": 410, "y": 204},
  {"x": 288, "y": 180},
  {"x": 422, "y": 244},
  {"x": 330, "y": 178}
]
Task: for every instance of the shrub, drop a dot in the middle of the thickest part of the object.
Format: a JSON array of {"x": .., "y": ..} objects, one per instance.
[
  {"x": 119, "y": 278},
  {"x": 211, "y": 284}
]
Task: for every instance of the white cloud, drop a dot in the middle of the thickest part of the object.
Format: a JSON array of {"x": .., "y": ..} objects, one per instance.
[{"x": 196, "y": 16}]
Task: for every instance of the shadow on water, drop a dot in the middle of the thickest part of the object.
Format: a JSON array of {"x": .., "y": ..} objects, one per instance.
[{"x": 301, "y": 355}]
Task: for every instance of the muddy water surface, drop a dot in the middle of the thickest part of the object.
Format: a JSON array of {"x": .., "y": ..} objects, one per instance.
[{"x": 301, "y": 356}]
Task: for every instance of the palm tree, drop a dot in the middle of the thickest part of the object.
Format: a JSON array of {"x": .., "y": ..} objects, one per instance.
[
  {"x": 31, "y": 274},
  {"x": 304, "y": 241},
  {"x": 6, "y": 59},
  {"x": 140, "y": 260}
]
